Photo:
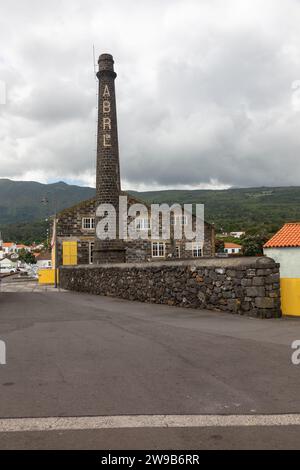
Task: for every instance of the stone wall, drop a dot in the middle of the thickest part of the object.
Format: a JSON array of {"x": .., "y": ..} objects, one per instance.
[{"x": 247, "y": 286}]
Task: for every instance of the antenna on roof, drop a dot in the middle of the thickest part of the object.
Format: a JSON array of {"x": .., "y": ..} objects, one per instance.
[
  {"x": 94, "y": 60},
  {"x": 96, "y": 119}
]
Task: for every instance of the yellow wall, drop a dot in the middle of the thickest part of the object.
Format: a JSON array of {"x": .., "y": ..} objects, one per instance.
[
  {"x": 69, "y": 253},
  {"x": 47, "y": 276},
  {"x": 290, "y": 296}
]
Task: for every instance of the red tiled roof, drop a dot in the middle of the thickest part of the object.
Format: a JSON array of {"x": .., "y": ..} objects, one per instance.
[
  {"x": 232, "y": 245},
  {"x": 7, "y": 245},
  {"x": 288, "y": 235}
]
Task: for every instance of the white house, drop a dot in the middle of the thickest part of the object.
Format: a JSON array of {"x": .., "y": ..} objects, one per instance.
[
  {"x": 232, "y": 248},
  {"x": 6, "y": 264},
  {"x": 237, "y": 234},
  {"x": 9, "y": 248},
  {"x": 284, "y": 248},
  {"x": 43, "y": 260}
]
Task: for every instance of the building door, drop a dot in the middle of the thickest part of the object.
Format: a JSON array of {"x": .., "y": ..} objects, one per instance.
[{"x": 69, "y": 253}]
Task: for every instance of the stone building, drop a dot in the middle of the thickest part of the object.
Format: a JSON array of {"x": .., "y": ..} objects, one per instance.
[
  {"x": 76, "y": 239},
  {"x": 77, "y": 243}
]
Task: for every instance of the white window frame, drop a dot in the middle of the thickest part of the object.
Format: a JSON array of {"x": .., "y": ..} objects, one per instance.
[
  {"x": 91, "y": 223},
  {"x": 178, "y": 220},
  {"x": 158, "y": 250},
  {"x": 196, "y": 247},
  {"x": 142, "y": 224},
  {"x": 91, "y": 248}
]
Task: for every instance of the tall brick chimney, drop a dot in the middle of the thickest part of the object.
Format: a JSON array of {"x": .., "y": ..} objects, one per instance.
[{"x": 108, "y": 186}]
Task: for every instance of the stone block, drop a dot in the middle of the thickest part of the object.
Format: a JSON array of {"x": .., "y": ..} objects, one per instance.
[
  {"x": 264, "y": 302},
  {"x": 246, "y": 282},
  {"x": 256, "y": 291},
  {"x": 220, "y": 270},
  {"x": 258, "y": 281}
]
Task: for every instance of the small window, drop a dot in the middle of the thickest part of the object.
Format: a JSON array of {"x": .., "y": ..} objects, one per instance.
[
  {"x": 88, "y": 223},
  {"x": 158, "y": 250},
  {"x": 142, "y": 224},
  {"x": 184, "y": 220},
  {"x": 91, "y": 252},
  {"x": 177, "y": 252},
  {"x": 178, "y": 220},
  {"x": 197, "y": 251}
]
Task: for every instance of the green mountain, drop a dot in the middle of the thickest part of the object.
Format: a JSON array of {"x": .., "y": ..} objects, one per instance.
[
  {"x": 24, "y": 201},
  {"x": 250, "y": 209},
  {"x": 23, "y": 212},
  {"x": 25, "y": 206}
]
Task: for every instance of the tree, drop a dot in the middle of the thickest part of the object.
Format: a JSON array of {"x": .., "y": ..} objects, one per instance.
[
  {"x": 253, "y": 244},
  {"x": 26, "y": 257},
  {"x": 219, "y": 245}
]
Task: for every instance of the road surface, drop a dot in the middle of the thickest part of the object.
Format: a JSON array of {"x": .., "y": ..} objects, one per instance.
[{"x": 133, "y": 375}]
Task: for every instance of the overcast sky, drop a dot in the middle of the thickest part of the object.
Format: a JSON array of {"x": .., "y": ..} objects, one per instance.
[{"x": 208, "y": 91}]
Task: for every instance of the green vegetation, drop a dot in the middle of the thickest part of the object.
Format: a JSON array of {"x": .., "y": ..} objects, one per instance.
[
  {"x": 26, "y": 257},
  {"x": 219, "y": 245},
  {"x": 253, "y": 244},
  {"x": 26, "y": 233},
  {"x": 25, "y": 201},
  {"x": 254, "y": 210},
  {"x": 25, "y": 206}
]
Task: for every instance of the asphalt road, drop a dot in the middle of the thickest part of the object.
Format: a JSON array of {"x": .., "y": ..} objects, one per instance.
[{"x": 78, "y": 355}]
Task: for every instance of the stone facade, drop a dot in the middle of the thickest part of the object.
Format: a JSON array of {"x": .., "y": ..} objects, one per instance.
[
  {"x": 246, "y": 286},
  {"x": 70, "y": 227}
]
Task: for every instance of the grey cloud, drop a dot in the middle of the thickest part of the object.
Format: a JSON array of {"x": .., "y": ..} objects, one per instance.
[{"x": 204, "y": 90}]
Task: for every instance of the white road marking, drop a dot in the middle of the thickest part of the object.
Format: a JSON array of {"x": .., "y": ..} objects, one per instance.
[{"x": 144, "y": 421}]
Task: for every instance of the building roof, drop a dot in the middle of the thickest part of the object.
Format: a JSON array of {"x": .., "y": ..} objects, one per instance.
[
  {"x": 8, "y": 244},
  {"x": 287, "y": 236},
  {"x": 232, "y": 245},
  {"x": 44, "y": 256}
]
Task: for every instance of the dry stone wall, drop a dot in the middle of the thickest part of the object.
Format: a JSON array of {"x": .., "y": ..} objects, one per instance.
[{"x": 246, "y": 286}]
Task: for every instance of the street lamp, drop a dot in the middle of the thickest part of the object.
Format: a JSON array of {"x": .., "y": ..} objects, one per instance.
[{"x": 45, "y": 201}]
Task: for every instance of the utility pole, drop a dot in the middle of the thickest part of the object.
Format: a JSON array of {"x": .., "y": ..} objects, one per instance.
[{"x": 45, "y": 201}]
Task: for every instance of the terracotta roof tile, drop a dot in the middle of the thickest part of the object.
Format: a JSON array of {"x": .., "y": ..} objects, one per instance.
[
  {"x": 287, "y": 236},
  {"x": 232, "y": 245}
]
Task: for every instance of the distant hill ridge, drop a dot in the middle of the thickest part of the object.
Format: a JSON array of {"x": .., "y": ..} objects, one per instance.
[
  {"x": 22, "y": 201},
  {"x": 252, "y": 209}
]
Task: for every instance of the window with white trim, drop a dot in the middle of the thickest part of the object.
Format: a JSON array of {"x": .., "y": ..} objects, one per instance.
[
  {"x": 177, "y": 251},
  {"x": 142, "y": 224},
  {"x": 88, "y": 223},
  {"x": 91, "y": 252},
  {"x": 178, "y": 220},
  {"x": 197, "y": 250},
  {"x": 158, "y": 249}
]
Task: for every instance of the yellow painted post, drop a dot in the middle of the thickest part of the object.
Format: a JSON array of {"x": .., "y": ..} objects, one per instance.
[
  {"x": 290, "y": 296},
  {"x": 46, "y": 276}
]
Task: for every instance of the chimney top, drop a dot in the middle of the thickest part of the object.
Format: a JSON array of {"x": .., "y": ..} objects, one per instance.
[{"x": 106, "y": 62}]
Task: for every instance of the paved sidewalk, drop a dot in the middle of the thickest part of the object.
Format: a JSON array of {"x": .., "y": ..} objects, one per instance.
[{"x": 25, "y": 285}]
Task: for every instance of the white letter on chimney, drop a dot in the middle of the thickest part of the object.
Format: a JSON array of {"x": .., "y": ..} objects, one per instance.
[
  {"x": 106, "y": 124},
  {"x": 106, "y": 106},
  {"x": 106, "y": 93}
]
